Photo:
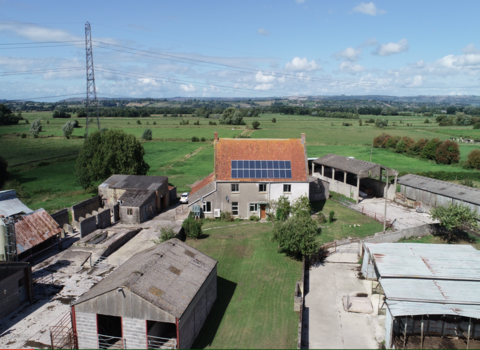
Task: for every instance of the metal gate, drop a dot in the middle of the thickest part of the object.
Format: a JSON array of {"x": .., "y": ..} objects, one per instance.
[{"x": 62, "y": 335}]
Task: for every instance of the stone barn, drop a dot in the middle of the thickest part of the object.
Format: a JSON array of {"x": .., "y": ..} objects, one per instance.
[{"x": 159, "y": 298}]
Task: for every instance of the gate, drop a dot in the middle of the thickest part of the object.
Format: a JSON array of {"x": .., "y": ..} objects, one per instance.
[{"x": 62, "y": 335}]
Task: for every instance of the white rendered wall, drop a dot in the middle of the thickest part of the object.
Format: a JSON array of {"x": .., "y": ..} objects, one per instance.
[{"x": 298, "y": 189}]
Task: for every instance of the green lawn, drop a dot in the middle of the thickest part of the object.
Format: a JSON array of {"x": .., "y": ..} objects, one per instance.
[
  {"x": 474, "y": 241},
  {"x": 256, "y": 284}
]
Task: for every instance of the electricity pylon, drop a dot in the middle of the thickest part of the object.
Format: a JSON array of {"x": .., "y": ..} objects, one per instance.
[{"x": 91, "y": 90}]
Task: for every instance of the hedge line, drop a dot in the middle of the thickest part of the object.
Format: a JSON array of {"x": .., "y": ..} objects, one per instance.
[{"x": 446, "y": 175}]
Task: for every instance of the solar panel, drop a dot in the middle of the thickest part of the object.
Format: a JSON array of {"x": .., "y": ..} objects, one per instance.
[{"x": 261, "y": 169}]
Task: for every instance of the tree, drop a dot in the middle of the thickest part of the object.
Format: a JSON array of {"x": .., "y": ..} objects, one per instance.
[
  {"x": 392, "y": 143},
  {"x": 7, "y": 117},
  {"x": 381, "y": 140},
  {"x": 473, "y": 160},
  {"x": 81, "y": 113},
  {"x": 381, "y": 123},
  {"x": 60, "y": 113},
  {"x": 283, "y": 208},
  {"x": 36, "y": 127},
  {"x": 301, "y": 207},
  {"x": 476, "y": 126},
  {"x": 192, "y": 227},
  {"x": 430, "y": 149},
  {"x": 416, "y": 148},
  {"x": 255, "y": 124},
  {"x": 296, "y": 236},
  {"x": 147, "y": 135},
  {"x": 3, "y": 171},
  {"x": 231, "y": 116},
  {"x": 106, "y": 153},
  {"x": 274, "y": 120},
  {"x": 67, "y": 129},
  {"x": 447, "y": 153},
  {"x": 454, "y": 218}
]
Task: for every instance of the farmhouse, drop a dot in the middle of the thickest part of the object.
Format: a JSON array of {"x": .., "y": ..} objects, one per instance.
[
  {"x": 159, "y": 298},
  {"x": 349, "y": 176},
  {"x": 424, "y": 192},
  {"x": 15, "y": 284},
  {"x": 248, "y": 174},
  {"x": 428, "y": 291},
  {"x": 140, "y": 197}
]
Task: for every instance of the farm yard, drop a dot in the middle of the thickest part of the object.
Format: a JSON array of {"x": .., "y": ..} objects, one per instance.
[{"x": 43, "y": 168}]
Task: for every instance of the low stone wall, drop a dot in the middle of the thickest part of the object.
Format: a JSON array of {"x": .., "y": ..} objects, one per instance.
[
  {"x": 103, "y": 219},
  {"x": 86, "y": 207},
  {"x": 61, "y": 217},
  {"x": 87, "y": 225}
]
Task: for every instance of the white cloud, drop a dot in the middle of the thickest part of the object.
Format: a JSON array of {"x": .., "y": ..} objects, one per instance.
[
  {"x": 470, "y": 49},
  {"x": 36, "y": 33},
  {"x": 188, "y": 88},
  {"x": 281, "y": 79},
  {"x": 263, "y": 87},
  {"x": 416, "y": 81},
  {"x": 368, "y": 9},
  {"x": 392, "y": 48},
  {"x": 349, "y": 53},
  {"x": 369, "y": 42},
  {"x": 301, "y": 64},
  {"x": 351, "y": 67},
  {"x": 261, "y": 78},
  {"x": 263, "y": 31}
]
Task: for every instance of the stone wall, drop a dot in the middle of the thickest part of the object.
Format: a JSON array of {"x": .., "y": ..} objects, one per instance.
[
  {"x": 86, "y": 325},
  {"x": 61, "y": 217},
  {"x": 319, "y": 190},
  {"x": 103, "y": 219},
  {"x": 172, "y": 194},
  {"x": 87, "y": 226},
  {"x": 134, "y": 333},
  {"x": 86, "y": 207}
]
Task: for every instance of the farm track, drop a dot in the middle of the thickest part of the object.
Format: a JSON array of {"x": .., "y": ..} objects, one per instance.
[
  {"x": 41, "y": 160},
  {"x": 182, "y": 159}
]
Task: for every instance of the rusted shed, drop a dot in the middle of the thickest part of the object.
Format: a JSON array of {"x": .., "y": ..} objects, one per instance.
[
  {"x": 35, "y": 228},
  {"x": 358, "y": 167}
]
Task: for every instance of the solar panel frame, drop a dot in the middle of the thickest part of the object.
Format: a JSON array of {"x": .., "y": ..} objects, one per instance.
[{"x": 261, "y": 169}]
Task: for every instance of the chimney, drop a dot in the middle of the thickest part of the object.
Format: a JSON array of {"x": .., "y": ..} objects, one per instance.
[
  {"x": 303, "y": 137},
  {"x": 216, "y": 136}
]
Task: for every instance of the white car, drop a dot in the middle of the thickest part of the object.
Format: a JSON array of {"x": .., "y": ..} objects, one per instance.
[{"x": 184, "y": 197}]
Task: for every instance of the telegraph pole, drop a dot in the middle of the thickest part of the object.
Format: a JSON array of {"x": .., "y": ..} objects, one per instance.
[{"x": 91, "y": 90}]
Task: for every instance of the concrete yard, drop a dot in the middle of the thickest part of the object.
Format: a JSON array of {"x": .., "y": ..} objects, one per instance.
[
  {"x": 405, "y": 217},
  {"x": 326, "y": 324}
]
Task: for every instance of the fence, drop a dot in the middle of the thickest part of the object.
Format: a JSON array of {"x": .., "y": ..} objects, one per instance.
[
  {"x": 377, "y": 217},
  {"x": 161, "y": 343},
  {"x": 62, "y": 335},
  {"x": 110, "y": 342}
]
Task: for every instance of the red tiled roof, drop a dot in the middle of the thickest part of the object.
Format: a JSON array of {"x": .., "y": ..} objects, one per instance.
[
  {"x": 34, "y": 228},
  {"x": 202, "y": 183},
  {"x": 227, "y": 150}
]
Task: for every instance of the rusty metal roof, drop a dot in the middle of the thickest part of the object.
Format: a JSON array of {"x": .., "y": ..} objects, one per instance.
[
  {"x": 358, "y": 167},
  {"x": 34, "y": 228},
  {"x": 10, "y": 205}
]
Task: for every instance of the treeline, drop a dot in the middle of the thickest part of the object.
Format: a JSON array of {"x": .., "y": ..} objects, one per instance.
[
  {"x": 459, "y": 118},
  {"x": 7, "y": 117}
]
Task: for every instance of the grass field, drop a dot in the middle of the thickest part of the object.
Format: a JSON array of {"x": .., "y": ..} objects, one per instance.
[
  {"x": 474, "y": 241},
  {"x": 255, "y": 292}
]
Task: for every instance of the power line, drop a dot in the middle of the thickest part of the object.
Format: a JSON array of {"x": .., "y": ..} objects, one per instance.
[
  {"x": 40, "y": 71},
  {"x": 45, "y": 42},
  {"x": 37, "y": 98},
  {"x": 31, "y": 47}
]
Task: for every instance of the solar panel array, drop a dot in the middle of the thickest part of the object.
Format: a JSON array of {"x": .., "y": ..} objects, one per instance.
[{"x": 261, "y": 169}]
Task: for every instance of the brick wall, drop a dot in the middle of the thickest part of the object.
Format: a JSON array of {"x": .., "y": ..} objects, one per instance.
[
  {"x": 11, "y": 300},
  {"x": 134, "y": 333},
  {"x": 86, "y": 330}
]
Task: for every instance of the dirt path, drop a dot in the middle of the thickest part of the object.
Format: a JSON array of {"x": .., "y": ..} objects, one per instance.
[
  {"x": 183, "y": 159},
  {"x": 247, "y": 132}
]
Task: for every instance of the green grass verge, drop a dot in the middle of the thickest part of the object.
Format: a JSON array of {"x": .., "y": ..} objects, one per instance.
[
  {"x": 256, "y": 284},
  {"x": 440, "y": 240}
]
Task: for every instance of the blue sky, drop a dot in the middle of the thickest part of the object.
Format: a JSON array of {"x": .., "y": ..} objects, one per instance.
[{"x": 240, "y": 48}]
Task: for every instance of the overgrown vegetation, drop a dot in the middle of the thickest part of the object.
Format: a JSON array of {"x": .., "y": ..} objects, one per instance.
[
  {"x": 192, "y": 227},
  {"x": 454, "y": 218},
  {"x": 3, "y": 171}
]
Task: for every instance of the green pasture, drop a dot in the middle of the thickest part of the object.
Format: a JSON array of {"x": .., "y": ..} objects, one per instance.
[{"x": 255, "y": 290}]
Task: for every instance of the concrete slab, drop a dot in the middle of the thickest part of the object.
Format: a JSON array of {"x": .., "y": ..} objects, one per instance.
[
  {"x": 327, "y": 324},
  {"x": 361, "y": 305},
  {"x": 406, "y": 217},
  {"x": 347, "y": 253}
]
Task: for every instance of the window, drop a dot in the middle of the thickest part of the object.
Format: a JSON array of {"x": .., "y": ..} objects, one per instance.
[
  {"x": 262, "y": 188},
  {"x": 235, "y": 188},
  {"x": 253, "y": 206},
  {"x": 234, "y": 208},
  {"x": 287, "y": 188},
  {"x": 129, "y": 211},
  {"x": 207, "y": 207}
]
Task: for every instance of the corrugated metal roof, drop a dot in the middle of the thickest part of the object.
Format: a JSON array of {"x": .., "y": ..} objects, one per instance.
[
  {"x": 34, "y": 228},
  {"x": 11, "y": 205},
  {"x": 141, "y": 182},
  {"x": 434, "y": 261},
  {"x": 135, "y": 198},
  {"x": 446, "y": 189},
  {"x": 351, "y": 165},
  {"x": 168, "y": 275},
  {"x": 408, "y": 308}
]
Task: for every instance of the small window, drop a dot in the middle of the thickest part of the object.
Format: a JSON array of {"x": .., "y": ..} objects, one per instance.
[
  {"x": 234, "y": 208},
  {"x": 287, "y": 188},
  {"x": 253, "y": 206},
  {"x": 262, "y": 188},
  {"x": 129, "y": 211},
  {"x": 207, "y": 207},
  {"x": 235, "y": 188}
]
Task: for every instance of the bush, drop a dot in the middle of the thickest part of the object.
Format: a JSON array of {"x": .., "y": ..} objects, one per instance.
[
  {"x": 430, "y": 149},
  {"x": 203, "y": 139},
  {"x": 3, "y": 171},
  {"x": 296, "y": 236},
  {"x": 192, "y": 227},
  {"x": 147, "y": 135},
  {"x": 381, "y": 141},
  {"x": 331, "y": 217},
  {"x": 321, "y": 218},
  {"x": 255, "y": 124},
  {"x": 139, "y": 122},
  {"x": 371, "y": 120},
  {"x": 274, "y": 120},
  {"x": 427, "y": 121},
  {"x": 36, "y": 127},
  {"x": 473, "y": 160},
  {"x": 476, "y": 126},
  {"x": 417, "y": 147},
  {"x": 67, "y": 130},
  {"x": 103, "y": 129},
  {"x": 392, "y": 143},
  {"x": 467, "y": 182},
  {"x": 404, "y": 144},
  {"x": 60, "y": 113},
  {"x": 24, "y": 136},
  {"x": 226, "y": 216},
  {"x": 154, "y": 123},
  {"x": 447, "y": 153},
  {"x": 75, "y": 123},
  {"x": 381, "y": 123},
  {"x": 166, "y": 234},
  {"x": 212, "y": 123},
  {"x": 254, "y": 217},
  {"x": 283, "y": 208},
  {"x": 195, "y": 139}
]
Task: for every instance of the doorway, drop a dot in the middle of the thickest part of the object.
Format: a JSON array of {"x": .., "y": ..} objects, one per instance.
[
  {"x": 110, "y": 332},
  {"x": 263, "y": 211},
  {"x": 161, "y": 335}
]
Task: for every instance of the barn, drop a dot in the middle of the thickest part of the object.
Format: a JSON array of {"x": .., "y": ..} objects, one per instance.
[{"x": 159, "y": 298}]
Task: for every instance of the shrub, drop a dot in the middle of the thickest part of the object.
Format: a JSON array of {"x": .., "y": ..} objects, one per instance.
[
  {"x": 381, "y": 123},
  {"x": 3, "y": 171},
  {"x": 429, "y": 151},
  {"x": 467, "y": 182},
  {"x": 321, "y": 218},
  {"x": 192, "y": 227},
  {"x": 371, "y": 120},
  {"x": 67, "y": 130},
  {"x": 75, "y": 123},
  {"x": 476, "y": 126},
  {"x": 166, "y": 234},
  {"x": 212, "y": 123},
  {"x": 296, "y": 236},
  {"x": 48, "y": 121},
  {"x": 360, "y": 122},
  {"x": 274, "y": 120},
  {"x": 380, "y": 141},
  {"x": 417, "y": 147},
  {"x": 404, "y": 144},
  {"x": 254, "y": 217},
  {"x": 226, "y": 216},
  {"x": 36, "y": 127},
  {"x": 203, "y": 139},
  {"x": 139, "y": 122},
  {"x": 427, "y": 121},
  {"x": 24, "y": 136},
  {"x": 147, "y": 123},
  {"x": 392, "y": 143},
  {"x": 154, "y": 123},
  {"x": 473, "y": 160},
  {"x": 283, "y": 208},
  {"x": 147, "y": 135},
  {"x": 255, "y": 124},
  {"x": 331, "y": 216},
  {"x": 195, "y": 139},
  {"x": 103, "y": 129},
  {"x": 447, "y": 153},
  {"x": 60, "y": 113}
]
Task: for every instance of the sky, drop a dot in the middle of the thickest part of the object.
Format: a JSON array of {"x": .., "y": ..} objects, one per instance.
[{"x": 260, "y": 48}]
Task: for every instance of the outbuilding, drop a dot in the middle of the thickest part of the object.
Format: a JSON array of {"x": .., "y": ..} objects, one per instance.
[
  {"x": 15, "y": 285},
  {"x": 159, "y": 298}
]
